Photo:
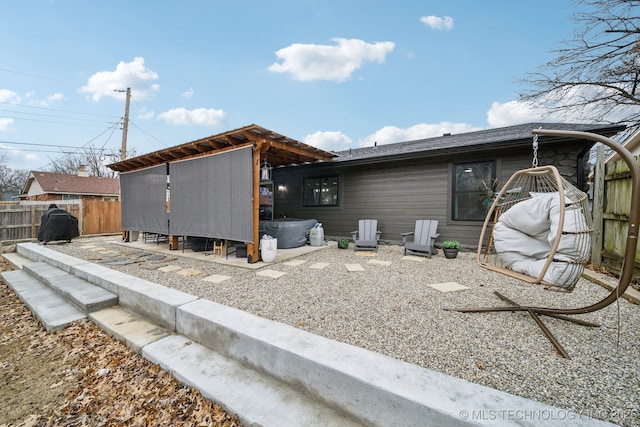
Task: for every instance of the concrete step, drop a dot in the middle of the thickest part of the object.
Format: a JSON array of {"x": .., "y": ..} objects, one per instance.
[
  {"x": 16, "y": 259},
  {"x": 84, "y": 295},
  {"x": 128, "y": 327},
  {"x": 256, "y": 398},
  {"x": 53, "y": 311},
  {"x": 155, "y": 302}
]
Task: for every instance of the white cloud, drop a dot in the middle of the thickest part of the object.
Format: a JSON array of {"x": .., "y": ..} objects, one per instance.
[
  {"x": 32, "y": 158},
  {"x": 513, "y": 113},
  {"x": 188, "y": 94},
  {"x": 328, "y": 140},
  {"x": 308, "y": 62},
  {"x": 391, "y": 134},
  {"x": 437, "y": 23},
  {"x": 198, "y": 117},
  {"x": 56, "y": 97},
  {"x": 5, "y": 124},
  {"x": 146, "y": 115},
  {"x": 127, "y": 74},
  {"x": 7, "y": 95},
  {"x": 562, "y": 105}
]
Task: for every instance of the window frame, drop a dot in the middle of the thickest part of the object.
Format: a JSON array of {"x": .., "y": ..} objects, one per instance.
[
  {"x": 320, "y": 179},
  {"x": 455, "y": 213}
]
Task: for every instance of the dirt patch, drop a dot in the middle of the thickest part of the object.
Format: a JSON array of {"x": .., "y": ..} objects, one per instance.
[{"x": 81, "y": 376}]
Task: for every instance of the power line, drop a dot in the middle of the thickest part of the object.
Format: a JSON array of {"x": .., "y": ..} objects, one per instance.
[
  {"x": 57, "y": 109},
  {"x": 36, "y": 76},
  {"x": 38, "y": 145},
  {"x": 48, "y": 115},
  {"x": 148, "y": 134},
  {"x": 74, "y": 149},
  {"x": 38, "y": 151},
  {"x": 51, "y": 121}
]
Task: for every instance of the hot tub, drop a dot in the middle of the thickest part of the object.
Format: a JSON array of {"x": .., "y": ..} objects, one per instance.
[{"x": 290, "y": 232}]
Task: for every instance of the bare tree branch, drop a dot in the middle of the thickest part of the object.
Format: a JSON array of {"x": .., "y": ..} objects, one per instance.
[
  {"x": 597, "y": 74},
  {"x": 91, "y": 157},
  {"x": 11, "y": 180}
]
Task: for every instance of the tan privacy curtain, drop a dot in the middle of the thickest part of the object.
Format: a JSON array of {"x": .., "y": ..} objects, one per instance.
[
  {"x": 144, "y": 196},
  {"x": 211, "y": 196}
]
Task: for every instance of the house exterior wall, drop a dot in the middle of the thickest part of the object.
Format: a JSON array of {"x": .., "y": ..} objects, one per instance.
[
  {"x": 35, "y": 189},
  {"x": 397, "y": 193}
]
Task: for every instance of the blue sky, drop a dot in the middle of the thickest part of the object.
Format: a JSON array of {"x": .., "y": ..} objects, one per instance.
[{"x": 333, "y": 74}]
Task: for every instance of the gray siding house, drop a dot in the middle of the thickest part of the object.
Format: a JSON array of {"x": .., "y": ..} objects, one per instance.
[{"x": 444, "y": 178}]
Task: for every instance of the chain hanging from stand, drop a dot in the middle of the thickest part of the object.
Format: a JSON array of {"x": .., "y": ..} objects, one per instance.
[{"x": 535, "y": 151}]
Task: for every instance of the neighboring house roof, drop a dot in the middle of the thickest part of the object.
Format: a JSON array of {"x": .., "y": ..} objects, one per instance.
[
  {"x": 61, "y": 183},
  {"x": 490, "y": 139},
  {"x": 631, "y": 143}
]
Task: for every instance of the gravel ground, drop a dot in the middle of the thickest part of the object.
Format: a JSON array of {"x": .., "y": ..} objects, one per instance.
[{"x": 392, "y": 310}]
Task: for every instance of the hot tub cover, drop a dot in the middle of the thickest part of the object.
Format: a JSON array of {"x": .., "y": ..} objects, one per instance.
[
  {"x": 57, "y": 224},
  {"x": 290, "y": 232}
]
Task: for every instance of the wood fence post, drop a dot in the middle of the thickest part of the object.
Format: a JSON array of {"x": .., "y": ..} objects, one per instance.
[
  {"x": 33, "y": 221},
  {"x": 598, "y": 208}
]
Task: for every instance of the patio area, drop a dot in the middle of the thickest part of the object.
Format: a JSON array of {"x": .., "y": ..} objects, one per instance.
[{"x": 397, "y": 306}]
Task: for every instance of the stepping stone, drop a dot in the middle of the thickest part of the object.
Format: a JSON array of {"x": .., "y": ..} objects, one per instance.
[
  {"x": 216, "y": 278},
  {"x": 189, "y": 272},
  {"x": 449, "y": 287},
  {"x": 271, "y": 273},
  {"x": 140, "y": 254},
  {"x": 354, "y": 267},
  {"x": 319, "y": 265},
  {"x": 365, "y": 253},
  {"x": 155, "y": 258},
  {"x": 151, "y": 266},
  {"x": 118, "y": 262},
  {"x": 414, "y": 258},
  {"x": 88, "y": 246},
  {"x": 295, "y": 262},
  {"x": 169, "y": 268},
  {"x": 108, "y": 252},
  {"x": 378, "y": 262}
]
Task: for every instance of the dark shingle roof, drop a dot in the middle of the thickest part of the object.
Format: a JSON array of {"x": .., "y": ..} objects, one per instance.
[{"x": 518, "y": 135}]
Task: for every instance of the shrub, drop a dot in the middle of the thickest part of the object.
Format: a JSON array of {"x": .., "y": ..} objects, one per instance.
[{"x": 450, "y": 244}]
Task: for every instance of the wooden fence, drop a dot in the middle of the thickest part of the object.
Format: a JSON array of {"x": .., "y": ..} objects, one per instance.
[
  {"x": 611, "y": 209},
  {"x": 20, "y": 221}
]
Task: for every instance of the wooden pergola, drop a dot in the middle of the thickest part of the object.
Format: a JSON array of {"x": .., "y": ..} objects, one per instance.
[{"x": 277, "y": 150}]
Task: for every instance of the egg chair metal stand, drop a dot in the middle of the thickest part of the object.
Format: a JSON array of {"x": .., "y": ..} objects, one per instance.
[{"x": 628, "y": 260}]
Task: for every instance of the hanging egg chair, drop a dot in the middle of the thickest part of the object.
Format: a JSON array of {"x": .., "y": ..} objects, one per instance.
[{"x": 538, "y": 230}]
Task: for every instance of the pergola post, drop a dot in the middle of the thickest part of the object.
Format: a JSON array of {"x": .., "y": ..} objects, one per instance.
[{"x": 253, "y": 254}]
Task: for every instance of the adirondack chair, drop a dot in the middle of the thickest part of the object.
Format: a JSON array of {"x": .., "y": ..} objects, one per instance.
[
  {"x": 424, "y": 236},
  {"x": 367, "y": 236}
]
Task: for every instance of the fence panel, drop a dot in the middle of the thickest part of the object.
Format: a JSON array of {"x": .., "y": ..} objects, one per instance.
[
  {"x": 21, "y": 220},
  {"x": 617, "y": 199},
  {"x": 101, "y": 217}
]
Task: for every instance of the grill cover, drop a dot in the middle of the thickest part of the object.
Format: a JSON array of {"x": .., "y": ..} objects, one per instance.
[{"x": 57, "y": 224}]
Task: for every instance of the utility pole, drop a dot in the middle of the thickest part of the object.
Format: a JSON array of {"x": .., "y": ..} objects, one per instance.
[{"x": 125, "y": 124}]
